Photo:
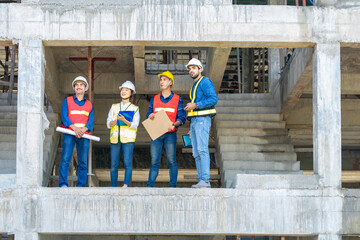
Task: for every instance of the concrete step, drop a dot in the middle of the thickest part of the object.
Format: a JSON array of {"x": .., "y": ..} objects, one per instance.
[
  {"x": 13, "y": 122},
  {"x": 254, "y": 140},
  {"x": 7, "y": 138},
  {"x": 7, "y": 154},
  {"x": 4, "y": 102},
  {"x": 244, "y": 103},
  {"x": 12, "y": 130},
  {"x": 11, "y": 146},
  {"x": 246, "y": 96},
  {"x": 5, "y": 95},
  {"x": 250, "y": 132},
  {"x": 8, "y": 115},
  {"x": 246, "y": 110},
  {"x": 256, "y": 147},
  {"x": 8, "y": 108},
  {"x": 7, "y": 165},
  {"x": 286, "y": 181},
  {"x": 248, "y": 117},
  {"x": 249, "y": 124},
  {"x": 260, "y": 165},
  {"x": 256, "y": 156}
]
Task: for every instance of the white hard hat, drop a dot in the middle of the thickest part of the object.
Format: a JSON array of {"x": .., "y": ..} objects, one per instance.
[
  {"x": 80, "y": 78},
  {"x": 194, "y": 62},
  {"x": 129, "y": 85}
]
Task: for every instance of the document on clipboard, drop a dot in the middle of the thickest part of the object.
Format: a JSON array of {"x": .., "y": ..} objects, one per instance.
[
  {"x": 128, "y": 115},
  {"x": 158, "y": 126}
]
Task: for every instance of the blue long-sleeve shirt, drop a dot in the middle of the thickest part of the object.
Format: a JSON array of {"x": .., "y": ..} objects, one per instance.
[
  {"x": 180, "y": 115},
  {"x": 65, "y": 111},
  {"x": 205, "y": 94}
]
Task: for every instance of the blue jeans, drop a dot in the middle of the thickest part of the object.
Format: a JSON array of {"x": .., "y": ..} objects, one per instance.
[
  {"x": 115, "y": 153},
  {"x": 199, "y": 133},
  {"x": 168, "y": 140},
  {"x": 82, "y": 148}
]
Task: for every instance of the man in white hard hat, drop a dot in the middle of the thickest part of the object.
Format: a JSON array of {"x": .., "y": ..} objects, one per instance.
[
  {"x": 173, "y": 105},
  {"x": 77, "y": 114},
  {"x": 200, "y": 111}
]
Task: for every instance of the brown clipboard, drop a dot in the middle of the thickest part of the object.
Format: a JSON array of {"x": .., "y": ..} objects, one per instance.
[{"x": 159, "y": 126}]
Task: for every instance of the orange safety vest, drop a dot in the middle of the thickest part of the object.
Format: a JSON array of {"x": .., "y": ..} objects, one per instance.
[
  {"x": 170, "y": 107},
  {"x": 79, "y": 115}
]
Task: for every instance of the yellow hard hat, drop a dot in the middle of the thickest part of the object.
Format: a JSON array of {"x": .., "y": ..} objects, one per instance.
[{"x": 168, "y": 75}]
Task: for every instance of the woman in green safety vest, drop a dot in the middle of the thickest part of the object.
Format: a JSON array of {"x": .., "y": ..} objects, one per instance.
[{"x": 123, "y": 121}]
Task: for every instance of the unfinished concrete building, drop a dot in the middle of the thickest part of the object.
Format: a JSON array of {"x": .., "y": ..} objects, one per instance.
[{"x": 284, "y": 143}]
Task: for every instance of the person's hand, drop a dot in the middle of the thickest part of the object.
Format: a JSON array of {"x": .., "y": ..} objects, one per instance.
[
  {"x": 171, "y": 128},
  {"x": 189, "y": 134},
  {"x": 78, "y": 131},
  {"x": 190, "y": 106},
  {"x": 152, "y": 116},
  {"x": 120, "y": 117}
]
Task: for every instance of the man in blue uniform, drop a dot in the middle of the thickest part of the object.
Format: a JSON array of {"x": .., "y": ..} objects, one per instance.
[{"x": 200, "y": 111}]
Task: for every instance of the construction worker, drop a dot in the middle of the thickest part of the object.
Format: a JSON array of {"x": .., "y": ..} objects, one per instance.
[
  {"x": 77, "y": 114},
  {"x": 174, "y": 108},
  {"x": 123, "y": 121},
  {"x": 200, "y": 111}
]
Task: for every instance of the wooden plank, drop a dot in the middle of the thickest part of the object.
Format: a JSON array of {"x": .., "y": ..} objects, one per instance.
[
  {"x": 347, "y": 176},
  {"x": 4, "y": 83},
  {"x": 6, "y": 43},
  {"x": 189, "y": 150},
  {"x": 141, "y": 175}
]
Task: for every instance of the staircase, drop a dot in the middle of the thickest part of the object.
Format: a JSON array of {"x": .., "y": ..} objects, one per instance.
[
  {"x": 8, "y": 124},
  {"x": 251, "y": 137}
]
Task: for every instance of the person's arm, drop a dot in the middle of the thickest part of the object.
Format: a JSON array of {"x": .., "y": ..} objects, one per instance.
[
  {"x": 181, "y": 114},
  {"x": 110, "y": 121},
  {"x": 64, "y": 114},
  {"x": 90, "y": 124},
  {"x": 208, "y": 89},
  {"x": 151, "y": 109},
  {"x": 136, "y": 119}
]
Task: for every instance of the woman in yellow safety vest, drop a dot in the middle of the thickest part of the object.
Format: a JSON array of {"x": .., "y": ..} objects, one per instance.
[{"x": 123, "y": 121}]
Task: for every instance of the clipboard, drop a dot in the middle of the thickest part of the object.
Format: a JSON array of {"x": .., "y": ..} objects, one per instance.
[
  {"x": 128, "y": 115},
  {"x": 158, "y": 126},
  {"x": 186, "y": 141}
]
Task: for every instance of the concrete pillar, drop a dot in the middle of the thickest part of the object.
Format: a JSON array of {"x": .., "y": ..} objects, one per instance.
[
  {"x": 29, "y": 138},
  {"x": 141, "y": 83},
  {"x": 274, "y": 67},
  {"x": 217, "y": 59},
  {"x": 26, "y": 236},
  {"x": 327, "y": 114},
  {"x": 328, "y": 237}
]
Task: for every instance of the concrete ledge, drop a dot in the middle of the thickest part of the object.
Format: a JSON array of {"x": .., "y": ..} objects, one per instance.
[{"x": 275, "y": 181}]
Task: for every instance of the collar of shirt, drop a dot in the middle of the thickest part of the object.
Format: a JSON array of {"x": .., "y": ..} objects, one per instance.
[
  {"x": 162, "y": 98},
  {"x": 124, "y": 105},
  {"x": 77, "y": 100}
]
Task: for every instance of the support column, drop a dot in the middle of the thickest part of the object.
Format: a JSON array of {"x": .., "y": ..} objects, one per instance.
[
  {"x": 139, "y": 69},
  {"x": 274, "y": 68},
  {"x": 328, "y": 237},
  {"x": 327, "y": 114},
  {"x": 29, "y": 138}
]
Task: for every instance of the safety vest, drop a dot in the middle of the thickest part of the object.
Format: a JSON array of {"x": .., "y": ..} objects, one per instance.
[
  {"x": 171, "y": 107},
  {"x": 202, "y": 112},
  {"x": 77, "y": 114},
  {"x": 126, "y": 133}
]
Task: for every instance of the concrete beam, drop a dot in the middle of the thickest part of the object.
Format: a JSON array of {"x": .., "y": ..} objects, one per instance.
[
  {"x": 30, "y": 112},
  {"x": 274, "y": 24},
  {"x": 295, "y": 78},
  {"x": 52, "y": 81},
  {"x": 327, "y": 114},
  {"x": 217, "y": 59},
  {"x": 141, "y": 82}
]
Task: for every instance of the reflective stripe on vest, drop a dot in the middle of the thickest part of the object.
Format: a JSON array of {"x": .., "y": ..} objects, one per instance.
[
  {"x": 78, "y": 115},
  {"x": 127, "y": 134},
  {"x": 170, "y": 107},
  {"x": 194, "y": 113}
]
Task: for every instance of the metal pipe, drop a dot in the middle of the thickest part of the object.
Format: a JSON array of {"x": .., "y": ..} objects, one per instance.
[
  {"x": 240, "y": 80},
  {"x": 90, "y": 76}
]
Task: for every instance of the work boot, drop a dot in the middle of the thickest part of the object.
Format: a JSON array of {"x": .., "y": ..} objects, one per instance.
[{"x": 202, "y": 184}]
